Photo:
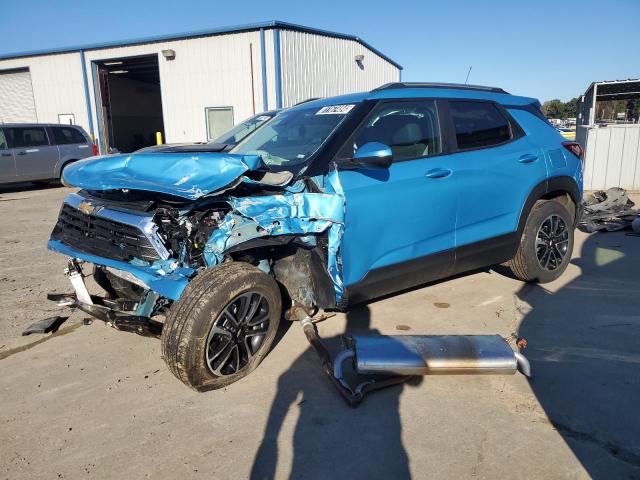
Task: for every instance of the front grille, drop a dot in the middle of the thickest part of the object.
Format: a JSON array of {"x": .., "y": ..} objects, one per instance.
[{"x": 101, "y": 236}]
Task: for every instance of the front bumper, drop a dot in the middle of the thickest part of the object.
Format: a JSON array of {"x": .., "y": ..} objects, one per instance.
[{"x": 169, "y": 285}]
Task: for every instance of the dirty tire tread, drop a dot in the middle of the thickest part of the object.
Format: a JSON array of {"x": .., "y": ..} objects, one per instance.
[
  {"x": 178, "y": 331},
  {"x": 521, "y": 265},
  {"x": 192, "y": 294}
]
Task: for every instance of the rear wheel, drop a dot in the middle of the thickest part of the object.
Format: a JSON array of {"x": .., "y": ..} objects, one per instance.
[
  {"x": 546, "y": 244},
  {"x": 222, "y": 326}
]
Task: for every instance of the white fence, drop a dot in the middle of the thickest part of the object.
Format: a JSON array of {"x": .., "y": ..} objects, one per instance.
[{"x": 612, "y": 156}]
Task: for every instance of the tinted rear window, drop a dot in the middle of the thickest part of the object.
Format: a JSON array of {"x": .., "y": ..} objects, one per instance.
[
  {"x": 22, "y": 137},
  {"x": 67, "y": 135},
  {"x": 478, "y": 124}
]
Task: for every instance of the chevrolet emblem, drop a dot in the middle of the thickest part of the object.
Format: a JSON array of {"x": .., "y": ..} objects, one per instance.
[{"x": 86, "y": 207}]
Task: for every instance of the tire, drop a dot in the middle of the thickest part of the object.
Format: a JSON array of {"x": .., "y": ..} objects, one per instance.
[
  {"x": 526, "y": 264},
  {"x": 215, "y": 297}
]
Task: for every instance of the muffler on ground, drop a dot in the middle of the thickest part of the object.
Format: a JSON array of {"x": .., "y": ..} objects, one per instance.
[
  {"x": 432, "y": 355},
  {"x": 392, "y": 359}
]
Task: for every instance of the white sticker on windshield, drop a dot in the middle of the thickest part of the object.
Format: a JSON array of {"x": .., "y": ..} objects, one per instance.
[
  {"x": 264, "y": 117},
  {"x": 335, "y": 109}
]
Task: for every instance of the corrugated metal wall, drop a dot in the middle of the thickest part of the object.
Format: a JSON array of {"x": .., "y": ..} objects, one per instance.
[
  {"x": 57, "y": 85},
  {"x": 207, "y": 72},
  {"x": 612, "y": 157},
  {"x": 319, "y": 66}
]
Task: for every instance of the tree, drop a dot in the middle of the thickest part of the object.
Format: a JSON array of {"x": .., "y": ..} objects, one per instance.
[
  {"x": 553, "y": 109},
  {"x": 571, "y": 108}
]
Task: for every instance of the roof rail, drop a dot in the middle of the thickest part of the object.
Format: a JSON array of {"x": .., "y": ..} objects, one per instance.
[
  {"x": 454, "y": 86},
  {"x": 307, "y": 100}
]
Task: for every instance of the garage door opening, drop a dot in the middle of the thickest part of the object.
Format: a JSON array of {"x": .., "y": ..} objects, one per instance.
[{"x": 131, "y": 112}]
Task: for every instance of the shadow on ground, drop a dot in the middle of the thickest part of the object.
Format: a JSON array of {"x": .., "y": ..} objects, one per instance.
[
  {"x": 584, "y": 348},
  {"x": 320, "y": 446},
  {"x": 28, "y": 186}
]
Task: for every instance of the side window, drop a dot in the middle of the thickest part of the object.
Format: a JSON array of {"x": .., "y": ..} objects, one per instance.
[
  {"x": 24, "y": 137},
  {"x": 478, "y": 124},
  {"x": 3, "y": 141},
  {"x": 66, "y": 135},
  {"x": 410, "y": 128}
]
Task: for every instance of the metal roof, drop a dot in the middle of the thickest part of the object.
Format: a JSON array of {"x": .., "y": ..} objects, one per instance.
[
  {"x": 201, "y": 33},
  {"x": 616, "y": 89}
]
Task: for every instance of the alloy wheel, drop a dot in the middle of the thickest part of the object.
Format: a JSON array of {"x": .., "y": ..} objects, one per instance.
[
  {"x": 237, "y": 333},
  {"x": 552, "y": 242}
]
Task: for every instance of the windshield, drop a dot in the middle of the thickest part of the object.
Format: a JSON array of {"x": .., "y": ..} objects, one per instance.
[
  {"x": 294, "y": 135},
  {"x": 240, "y": 131}
]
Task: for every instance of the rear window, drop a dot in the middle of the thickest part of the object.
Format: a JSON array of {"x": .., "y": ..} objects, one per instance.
[
  {"x": 21, "y": 137},
  {"x": 67, "y": 135},
  {"x": 478, "y": 124}
]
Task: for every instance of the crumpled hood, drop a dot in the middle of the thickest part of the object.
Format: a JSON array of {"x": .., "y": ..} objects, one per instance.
[{"x": 188, "y": 175}]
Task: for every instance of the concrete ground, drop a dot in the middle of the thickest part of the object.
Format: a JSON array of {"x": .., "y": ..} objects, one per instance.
[{"x": 92, "y": 402}]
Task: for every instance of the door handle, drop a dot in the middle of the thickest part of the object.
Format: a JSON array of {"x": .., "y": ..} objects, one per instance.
[
  {"x": 21, "y": 153},
  {"x": 528, "y": 158},
  {"x": 6, "y": 154},
  {"x": 438, "y": 173}
]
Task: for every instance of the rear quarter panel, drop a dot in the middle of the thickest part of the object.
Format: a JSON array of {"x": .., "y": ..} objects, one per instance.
[{"x": 560, "y": 162}]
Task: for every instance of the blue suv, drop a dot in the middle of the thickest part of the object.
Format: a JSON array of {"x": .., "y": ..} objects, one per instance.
[{"x": 332, "y": 202}]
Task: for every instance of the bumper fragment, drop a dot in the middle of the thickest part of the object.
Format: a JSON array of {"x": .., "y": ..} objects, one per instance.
[{"x": 169, "y": 285}]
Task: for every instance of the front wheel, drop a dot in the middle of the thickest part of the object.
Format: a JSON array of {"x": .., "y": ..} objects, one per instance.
[
  {"x": 546, "y": 244},
  {"x": 222, "y": 326}
]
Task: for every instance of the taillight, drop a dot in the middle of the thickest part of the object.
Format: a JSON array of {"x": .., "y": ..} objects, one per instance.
[
  {"x": 94, "y": 149},
  {"x": 575, "y": 148}
]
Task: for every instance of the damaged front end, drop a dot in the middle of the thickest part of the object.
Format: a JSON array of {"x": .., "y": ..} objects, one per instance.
[{"x": 149, "y": 222}]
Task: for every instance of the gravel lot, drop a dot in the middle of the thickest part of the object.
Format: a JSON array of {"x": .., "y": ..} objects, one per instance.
[{"x": 91, "y": 402}]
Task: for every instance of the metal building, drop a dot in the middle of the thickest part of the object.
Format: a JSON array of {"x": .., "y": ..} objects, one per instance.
[
  {"x": 612, "y": 146},
  {"x": 190, "y": 86}
]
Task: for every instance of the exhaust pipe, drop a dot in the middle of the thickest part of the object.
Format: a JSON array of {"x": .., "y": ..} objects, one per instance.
[{"x": 436, "y": 355}]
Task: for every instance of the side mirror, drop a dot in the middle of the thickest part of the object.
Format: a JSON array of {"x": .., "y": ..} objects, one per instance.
[{"x": 373, "y": 155}]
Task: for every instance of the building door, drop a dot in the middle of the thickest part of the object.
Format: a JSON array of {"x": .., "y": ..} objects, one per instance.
[
  {"x": 129, "y": 102},
  {"x": 219, "y": 120},
  {"x": 66, "y": 118},
  {"x": 16, "y": 97}
]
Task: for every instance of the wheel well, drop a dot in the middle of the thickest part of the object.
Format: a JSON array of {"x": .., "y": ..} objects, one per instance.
[
  {"x": 300, "y": 271},
  {"x": 564, "y": 198},
  {"x": 563, "y": 189},
  {"x": 67, "y": 162}
]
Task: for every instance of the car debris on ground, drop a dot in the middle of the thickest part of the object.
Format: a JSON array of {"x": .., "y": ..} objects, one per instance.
[
  {"x": 609, "y": 211},
  {"x": 47, "y": 325}
]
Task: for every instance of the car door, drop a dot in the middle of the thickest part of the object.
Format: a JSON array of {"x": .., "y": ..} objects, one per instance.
[
  {"x": 35, "y": 155},
  {"x": 496, "y": 166},
  {"x": 7, "y": 162},
  {"x": 400, "y": 221}
]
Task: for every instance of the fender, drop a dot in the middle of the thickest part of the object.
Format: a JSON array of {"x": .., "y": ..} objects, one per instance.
[{"x": 562, "y": 184}]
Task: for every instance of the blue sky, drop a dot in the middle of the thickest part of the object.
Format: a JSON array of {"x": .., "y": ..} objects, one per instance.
[{"x": 540, "y": 48}]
